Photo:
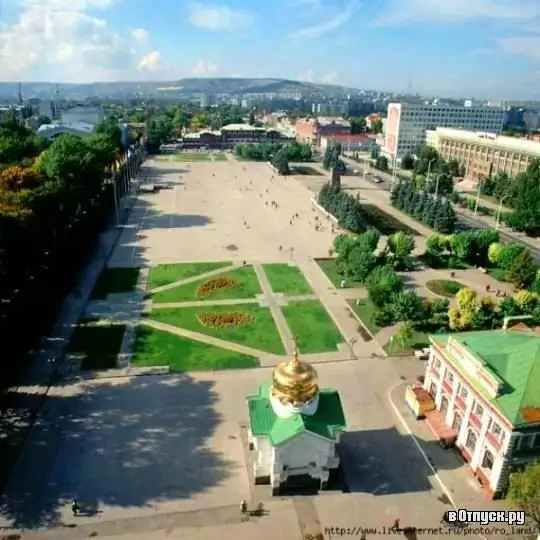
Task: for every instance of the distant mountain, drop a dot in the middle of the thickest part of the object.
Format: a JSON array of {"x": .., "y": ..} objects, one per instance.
[{"x": 183, "y": 87}]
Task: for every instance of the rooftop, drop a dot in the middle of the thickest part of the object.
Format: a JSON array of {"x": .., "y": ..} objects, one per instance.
[
  {"x": 491, "y": 140},
  {"x": 71, "y": 126},
  {"x": 242, "y": 127},
  {"x": 264, "y": 421},
  {"x": 346, "y": 137},
  {"x": 511, "y": 356}
]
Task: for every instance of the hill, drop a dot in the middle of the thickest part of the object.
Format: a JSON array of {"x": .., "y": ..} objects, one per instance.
[{"x": 183, "y": 87}]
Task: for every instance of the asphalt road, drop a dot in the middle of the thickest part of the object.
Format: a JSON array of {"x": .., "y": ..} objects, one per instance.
[{"x": 465, "y": 221}]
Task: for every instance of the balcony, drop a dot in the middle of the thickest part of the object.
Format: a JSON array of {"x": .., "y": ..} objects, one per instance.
[
  {"x": 447, "y": 386},
  {"x": 475, "y": 422},
  {"x": 460, "y": 404},
  {"x": 494, "y": 441},
  {"x": 445, "y": 434}
]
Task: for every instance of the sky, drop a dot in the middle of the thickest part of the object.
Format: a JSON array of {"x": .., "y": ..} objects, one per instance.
[{"x": 473, "y": 48}]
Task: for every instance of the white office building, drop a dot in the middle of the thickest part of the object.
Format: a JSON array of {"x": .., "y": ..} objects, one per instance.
[{"x": 407, "y": 124}]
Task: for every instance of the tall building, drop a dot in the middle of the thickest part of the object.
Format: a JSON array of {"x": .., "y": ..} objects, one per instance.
[
  {"x": 481, "y": 394},
  {"x": 484, "y": 154},
  {"x": 407, "y": 124}
]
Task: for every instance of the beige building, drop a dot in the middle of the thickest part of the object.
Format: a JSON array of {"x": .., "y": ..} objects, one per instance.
[{"x": 484, "y": 153}]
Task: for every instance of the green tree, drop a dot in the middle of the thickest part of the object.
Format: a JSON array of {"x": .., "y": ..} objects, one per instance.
[
  {"x": 377, "y": 126},
  {"x": 382, "y": 163},
  {"x": 526, "y": 203},
  {"x": 524, "y": 491},
  {"x": 374, "y": 152},
  {"x": 407, "y": 162},
  {"x": 399, "y": 248},
  {"x": 111, "y": 131},
  {"x": 360, "y": 263},
  {"x": 508, "y": 255},
  {"x": 404, "y": 334},
  {"x": 405, "y": 305},
  {"x": 523, "y": 271},
  {"x": 251, "y": 120},
  {"x": 445, "y": 218},
  {"x": 281, "y": 163},
  {"x": 369, "y": 239},
  {"x": 358, "y": 125}
]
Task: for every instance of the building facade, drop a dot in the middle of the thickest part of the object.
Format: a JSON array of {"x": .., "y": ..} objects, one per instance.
[
  {"x": 244, "y": 133},
  {"x": 484, "y": 154},
  {"x": 484, "y": 389},
  {"x": 406, "y": 126},
  {"x": 350, "y": 143},
  {"x": 311, "y": 130},
  {"x": 89, "y": 115}
]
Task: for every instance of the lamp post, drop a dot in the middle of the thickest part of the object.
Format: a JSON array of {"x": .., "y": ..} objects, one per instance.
[
  {"x": 437, "y": 185},
  {"x": 498, "y": 221},
  {"x": 478, "y": 192}
]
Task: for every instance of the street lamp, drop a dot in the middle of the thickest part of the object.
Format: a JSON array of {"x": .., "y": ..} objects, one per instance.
[
  {"x": 437, "y": 185},
  {"x": 498, "y": 221}
]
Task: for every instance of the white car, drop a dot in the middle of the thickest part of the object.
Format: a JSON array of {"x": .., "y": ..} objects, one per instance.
[
  {"x": 377, "y": 180},
  {"x": 422, "y": 354}
]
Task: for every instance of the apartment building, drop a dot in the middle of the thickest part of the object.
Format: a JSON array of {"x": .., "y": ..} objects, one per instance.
[
  {"x": 481, "y": 395},
  {"x": 484, "y": 154},
  {"x": 311, "y": 130},
  {"x": 407, "y": 123},
  {"x": 350, "y": 143}
]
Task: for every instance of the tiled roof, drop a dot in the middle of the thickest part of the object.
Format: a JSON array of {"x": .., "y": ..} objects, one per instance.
[
  {"x": 513, "y": 357},
  {"x": 345, "y": 137},
  {"x": 264, "y": 422}
]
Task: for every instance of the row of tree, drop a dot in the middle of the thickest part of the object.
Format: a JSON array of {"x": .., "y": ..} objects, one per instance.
[
  {"x": 54, "y": 200},
  {"x": 332, "y": 157},
  {"x": 267, "y": 151},
  {"x": 344, "y": 207},
  {"x": 435, "y": 212}
]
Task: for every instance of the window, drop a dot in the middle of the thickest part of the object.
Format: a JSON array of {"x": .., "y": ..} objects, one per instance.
[
  {"x": 487, "y": 462},
  {"x": 448, "y": 377},
  {"x": 437, "y": 363},
  {"x": 463, "y": 392},
  {"x": 478, "y": 410},
  {"x": 496, "y": 430},
  {"x": 536, "y": 443},
  {"x": 472, "y": 439},
  {"x": 525, "y": 442}
]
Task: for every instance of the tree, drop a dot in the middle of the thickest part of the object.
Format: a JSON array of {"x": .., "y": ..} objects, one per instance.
[
  {"x": 399, "y": 248},
  {"x": 281, "y": 163},
  {"x": 404, "y": 333},
  {"x": 358, "y": 125},
  {"x": 509, "y": 254},
  {"x": 374, "y": 152},
  {"x": 251, "y": 118},
  {"x": 369, "y": 239},
  {"x": 407, "y": 162},
  {"x": 463, "y": 246},
  {"x": 523, "y": 272},
  {"x": 524, "y": 491},
  {"x": 461, "y": 316},
  {"x": 377, "y": 126},
  {"x": 445, "y": 218},
  {"x": 360, "y": 263},
  {"x": 494, "y": 253},
  {"x": 526, "y": 203},
  {"x": 110, "y": 129},
  {"x": 405, "y": 305},
  {"x": 382, "y": 163}
]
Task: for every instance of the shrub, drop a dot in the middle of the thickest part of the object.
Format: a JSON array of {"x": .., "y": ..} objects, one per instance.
[
  {"x": 232, "y": 319},
  {"x": 208, "y": 288}
]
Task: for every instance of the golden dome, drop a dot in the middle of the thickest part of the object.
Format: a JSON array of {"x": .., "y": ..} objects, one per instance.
[{"x": 295, "y": 381}]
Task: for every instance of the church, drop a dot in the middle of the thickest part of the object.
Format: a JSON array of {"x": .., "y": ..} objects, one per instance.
[{"x": 295, "y": 428}]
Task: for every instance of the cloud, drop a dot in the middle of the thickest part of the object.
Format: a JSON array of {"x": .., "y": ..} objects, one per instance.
[
  {"x": 307, "y": 76},
  {"x": 151, "y": 62},
  {"x": 403, "y": 12},
  {"x": 330, "y": 78},
  {"x": 331, "y": 22},
  {"x": 60, "y": 40},
  {"x": 204, "y": 68},
  {"x": 218, "y": 17},
  {"x": 525, "y": 46},
  {"x": 139, "y": 34}
]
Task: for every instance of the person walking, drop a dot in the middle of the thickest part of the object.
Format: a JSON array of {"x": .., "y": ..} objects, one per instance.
[
  {"x": 75, "y": 508},
  {"x": 243, "y": 507}
]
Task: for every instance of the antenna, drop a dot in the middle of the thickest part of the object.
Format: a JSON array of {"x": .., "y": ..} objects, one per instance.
[{"x": 19, "y": 93}]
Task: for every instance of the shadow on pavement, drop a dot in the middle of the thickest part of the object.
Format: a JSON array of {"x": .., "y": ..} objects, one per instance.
[{"x": 126, "y": 443}]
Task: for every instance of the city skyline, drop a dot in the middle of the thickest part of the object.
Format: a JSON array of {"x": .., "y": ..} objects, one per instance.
[{"x": 487, "y": 48}]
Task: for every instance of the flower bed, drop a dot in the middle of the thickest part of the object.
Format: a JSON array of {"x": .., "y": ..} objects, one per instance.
[
  {"x": 232, "y": 319},
  {"x": 210, "y": 287}
]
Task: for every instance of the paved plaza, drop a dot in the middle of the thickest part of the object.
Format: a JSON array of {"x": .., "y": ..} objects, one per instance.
[{"x": 164, "y": 456}]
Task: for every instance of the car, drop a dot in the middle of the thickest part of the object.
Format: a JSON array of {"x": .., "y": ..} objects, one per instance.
[
  {"x": 422, "y": 354},
  {"x": 377, "y": 180},
  {"x": 356, "y": 171}
]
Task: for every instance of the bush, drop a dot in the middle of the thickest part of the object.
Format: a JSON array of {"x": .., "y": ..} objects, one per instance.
[
  {"x": 232, "y": 319},
  {"x": 208, "y": 288}
]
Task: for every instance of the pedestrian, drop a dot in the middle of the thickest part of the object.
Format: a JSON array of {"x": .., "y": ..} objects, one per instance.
[
  {"x": 243, "y": 507},
  {"x": 280, "y": 248},
  {"x": 342, "y": 284},
  {"x": 75, "y": 508},
  {"x": 396, "y": 525}
]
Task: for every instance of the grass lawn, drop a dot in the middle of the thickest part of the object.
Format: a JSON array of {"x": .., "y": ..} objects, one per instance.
[
  {"x": 192, "y": 156},
  {"x": 115, "y": 280},
  {"x": 444, "y": 287},
  {"x": 419, "y": 340},
  {"x": 329, "y": 267},
  {"x": 218, "y": 156},
  {"x": 98, "y": 345},
  {"x": 262, "y": 334},
  {"x": 498, "y": 273},
  {"x": 312, "y": 327},
  {"x": 305, "y": 170},
  {"x": 365, "y": 311},
  {"x": 286, "y": 279},
  {"x": 385, "y": 223},
  {"x": 157, "y": 348},
  {"x": 248, "y": 287},
  {"x": 163, "y": 274}
]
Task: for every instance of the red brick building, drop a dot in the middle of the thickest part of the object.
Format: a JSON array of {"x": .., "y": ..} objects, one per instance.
[{"x": 311, "y": 130}]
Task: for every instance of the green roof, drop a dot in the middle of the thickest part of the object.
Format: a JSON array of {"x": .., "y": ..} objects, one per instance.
[
  {"x": 513, "y": 357},
  {"x": 265, "y": 423}
]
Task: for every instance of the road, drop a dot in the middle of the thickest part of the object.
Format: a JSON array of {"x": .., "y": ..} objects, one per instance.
[{"x": 465, "y": 221}]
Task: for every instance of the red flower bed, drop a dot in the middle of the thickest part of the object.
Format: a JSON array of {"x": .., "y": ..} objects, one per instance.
[
  {"x": 232, "y": 319},
  {"x": 210, "y": 287}
]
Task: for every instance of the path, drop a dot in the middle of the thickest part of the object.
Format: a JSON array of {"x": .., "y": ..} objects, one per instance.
[{"x": 277, "y": 314}]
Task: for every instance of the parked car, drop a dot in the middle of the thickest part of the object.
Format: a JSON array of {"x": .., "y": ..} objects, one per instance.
[
  {"x": 377, "y": 179},
  {"x": 422, "y": 354}
]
